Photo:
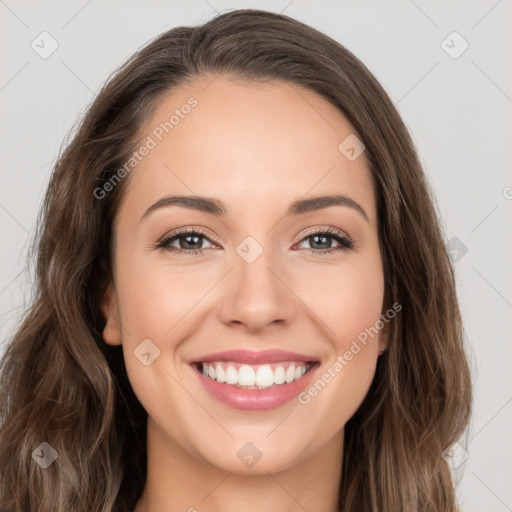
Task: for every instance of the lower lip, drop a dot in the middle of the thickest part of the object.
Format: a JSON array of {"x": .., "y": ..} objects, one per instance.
[{"x": 256, "y": 399}]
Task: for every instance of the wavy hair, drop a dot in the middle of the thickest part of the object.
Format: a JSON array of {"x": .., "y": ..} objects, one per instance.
[{"x": 60, "y": 383}]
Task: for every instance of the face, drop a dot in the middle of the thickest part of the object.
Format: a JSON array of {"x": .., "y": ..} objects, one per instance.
[{"x": 258, "y": 278}]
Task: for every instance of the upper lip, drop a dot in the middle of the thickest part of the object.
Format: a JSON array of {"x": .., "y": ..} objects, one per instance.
[{"x": 253, "y": 357}]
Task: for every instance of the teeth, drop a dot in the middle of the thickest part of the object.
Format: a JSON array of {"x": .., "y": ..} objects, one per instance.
[
  {"x": 279, "y": 375},
  {"x": 290, "y": 374},
  {"x": 255, "y": 376},
  {"x": 231, "y": 376},
  {"x": 220, "y": 374},
  {"x": 265, "y": 376},
  {"x": 246, "y": 376}
]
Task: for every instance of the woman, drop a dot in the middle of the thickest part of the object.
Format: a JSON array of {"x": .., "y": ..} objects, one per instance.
[{"x": 243, "y": 294}]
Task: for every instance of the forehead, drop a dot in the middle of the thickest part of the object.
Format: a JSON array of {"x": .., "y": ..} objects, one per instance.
[{"x": 249, "y": 144}]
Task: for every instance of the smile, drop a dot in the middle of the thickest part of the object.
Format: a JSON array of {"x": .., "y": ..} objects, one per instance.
[
  {"x": 246, "y": 376},
  {"x": 254, "y": 380}
]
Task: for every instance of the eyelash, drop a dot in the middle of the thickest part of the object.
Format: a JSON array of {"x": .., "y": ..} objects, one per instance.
[{"x": 345, "y": 243}]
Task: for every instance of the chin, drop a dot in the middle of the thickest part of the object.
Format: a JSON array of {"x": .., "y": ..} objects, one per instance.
[{"x": 253, "y": 458}]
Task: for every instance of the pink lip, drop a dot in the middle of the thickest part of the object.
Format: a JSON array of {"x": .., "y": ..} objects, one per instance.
[
  {"x": 255, "y": 399},
  {"x": 253, "y": 357}
]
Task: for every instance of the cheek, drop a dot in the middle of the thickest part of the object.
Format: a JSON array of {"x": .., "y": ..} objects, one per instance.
[
  {"x": 350, "y": 304},
  {"x": 155, "y": 297},
  {"x": 348, "y": 299},
  {"x": 154, "y": 301},
  {"x": 160, "y": 303}
]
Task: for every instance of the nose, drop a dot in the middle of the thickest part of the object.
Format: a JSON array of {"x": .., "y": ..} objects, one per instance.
[{"x": 256, "y": 296}]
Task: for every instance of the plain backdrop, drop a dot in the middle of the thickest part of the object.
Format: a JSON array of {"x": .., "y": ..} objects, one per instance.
[{"x": 446, "y": 66}]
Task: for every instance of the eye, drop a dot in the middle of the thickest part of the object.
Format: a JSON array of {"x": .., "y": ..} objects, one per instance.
[
  {"x": 322, "y": 240},
  {"x": 189, "y": 241}
]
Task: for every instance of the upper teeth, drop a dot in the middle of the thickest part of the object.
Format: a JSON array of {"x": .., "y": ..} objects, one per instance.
[{"x": 261, "y": 376}]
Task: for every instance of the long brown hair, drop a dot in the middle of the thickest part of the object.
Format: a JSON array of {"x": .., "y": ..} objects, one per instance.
[{"x": 63, "y": 385}]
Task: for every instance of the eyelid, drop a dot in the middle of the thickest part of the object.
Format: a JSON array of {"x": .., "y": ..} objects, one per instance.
[
  {"x": 324, "y": 229},
  {"x": 184, "y": 231},
  {"x": 345, "y": 242},
  {"x": 331, "y": 232},
  {"x": 314, "y": 230}
]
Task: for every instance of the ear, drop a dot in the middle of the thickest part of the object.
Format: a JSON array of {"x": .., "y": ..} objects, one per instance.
[{"x": 112, "y": 330}]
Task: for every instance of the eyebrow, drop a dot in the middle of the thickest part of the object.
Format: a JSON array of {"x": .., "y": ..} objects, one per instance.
[{"x": 219, "y": 209}]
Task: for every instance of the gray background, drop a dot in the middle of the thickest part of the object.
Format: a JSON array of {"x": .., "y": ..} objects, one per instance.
[{"x": 457, "y": 109}]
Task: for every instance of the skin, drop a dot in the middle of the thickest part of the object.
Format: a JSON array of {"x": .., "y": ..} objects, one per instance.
[{"x": 256, "y": 147}]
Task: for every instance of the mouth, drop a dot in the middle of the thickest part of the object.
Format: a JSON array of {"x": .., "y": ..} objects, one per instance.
[
  {"x": 250, "y": 376},
  {"x": 255, "y": 381}
]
